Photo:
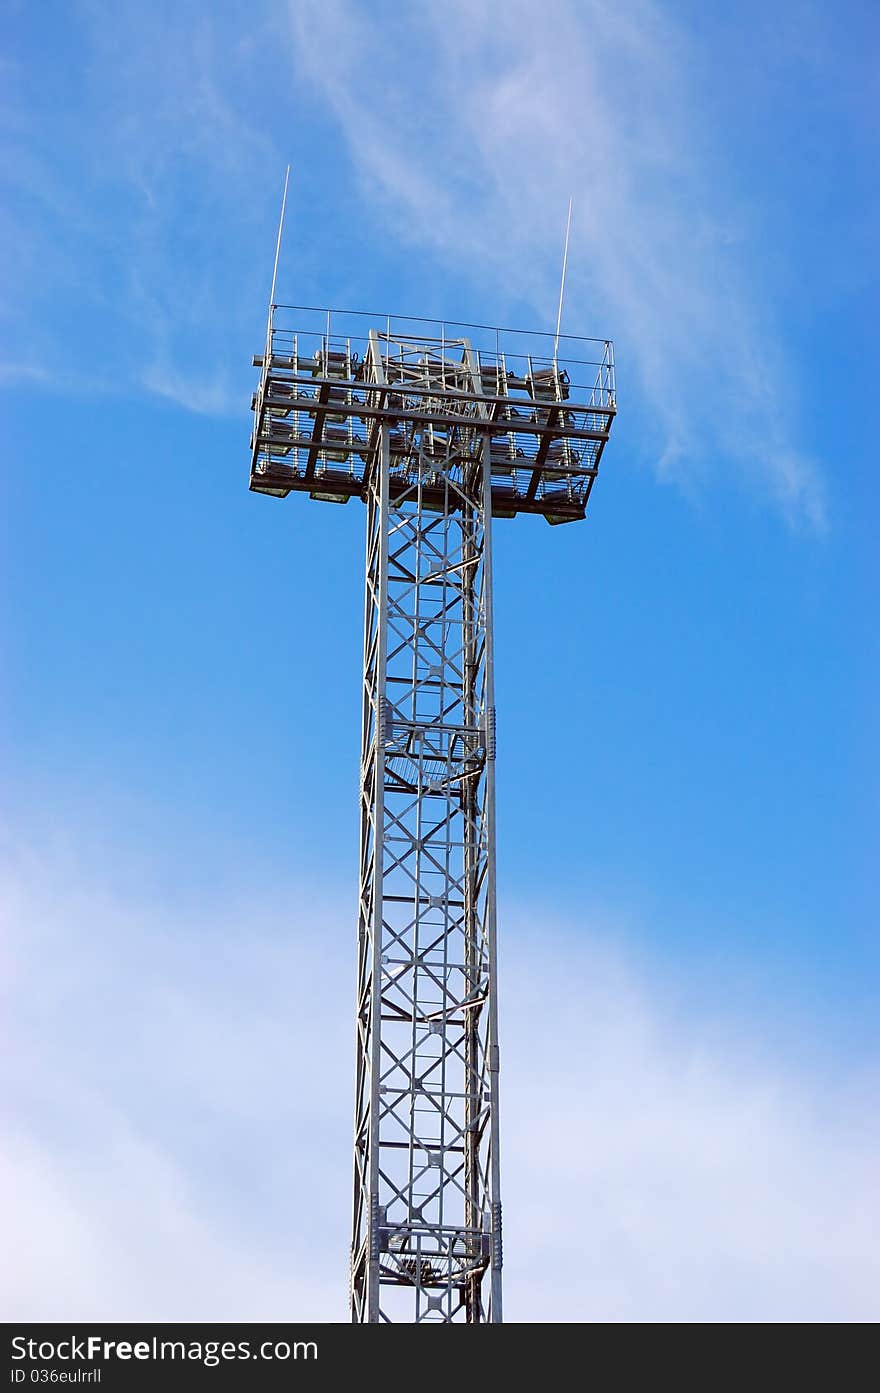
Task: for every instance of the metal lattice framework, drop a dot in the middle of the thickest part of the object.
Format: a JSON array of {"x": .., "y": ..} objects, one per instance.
[{"x": 438, "y": 431}]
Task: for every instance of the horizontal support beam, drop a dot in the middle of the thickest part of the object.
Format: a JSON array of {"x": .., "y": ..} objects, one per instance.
[
  {"x": 416, "y": 388},
  {"x": 274, "y": 479},
  {"x": 517, "y": 425}
]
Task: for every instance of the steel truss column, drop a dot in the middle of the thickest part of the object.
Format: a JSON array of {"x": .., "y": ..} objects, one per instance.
[
  {"x": 426, "y": 1232},
  {"x": 437, "y": 433}
]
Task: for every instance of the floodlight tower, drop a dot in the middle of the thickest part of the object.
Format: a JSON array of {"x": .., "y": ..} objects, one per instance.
[{"x": 439, "y": 429}]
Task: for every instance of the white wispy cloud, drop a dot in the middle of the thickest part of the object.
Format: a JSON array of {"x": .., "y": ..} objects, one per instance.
[
  {"x": 177, "y": 1126},
  {"x": 472, "y": 123},
  {"x": 126, "y": 225},
  {"x": 667, "y": 1169},
  {"x": 12, "y": 372},
  {"x": 135, "y": 227},
  {"x": 172, "y": 1144}
]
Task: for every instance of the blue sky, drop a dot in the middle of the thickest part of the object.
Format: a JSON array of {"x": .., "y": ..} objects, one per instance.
[{"x": 687, "y": 739}]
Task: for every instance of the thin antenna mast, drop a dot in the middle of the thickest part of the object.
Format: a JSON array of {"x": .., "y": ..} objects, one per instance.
[
  {"x": 278, "y": 243},
  {"x": 562, "y": 284},
  {"x": 271, "y": 313}
]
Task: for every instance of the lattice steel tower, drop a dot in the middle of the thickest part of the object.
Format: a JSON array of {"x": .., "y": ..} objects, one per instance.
[{"x": 439, "y": 429}]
